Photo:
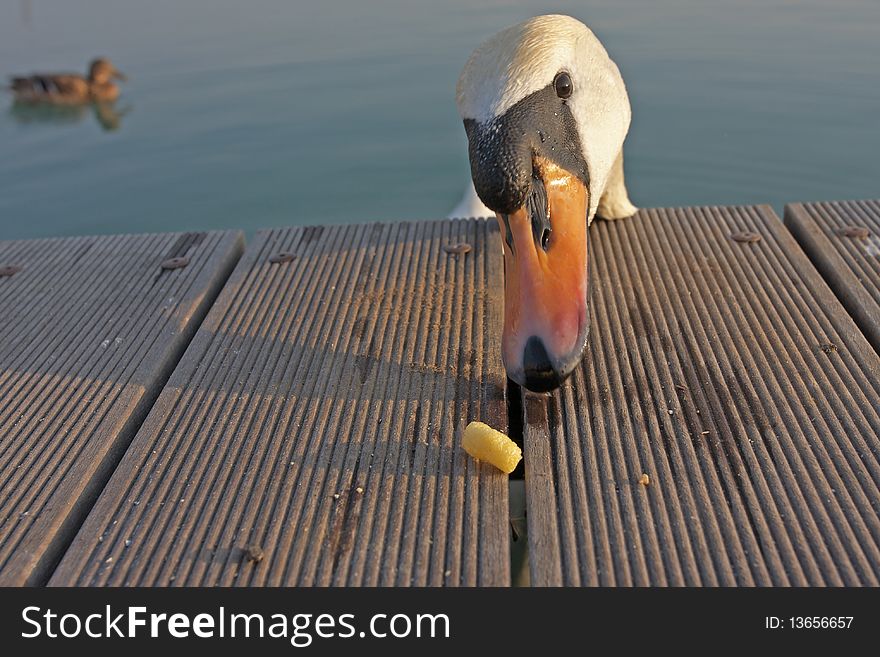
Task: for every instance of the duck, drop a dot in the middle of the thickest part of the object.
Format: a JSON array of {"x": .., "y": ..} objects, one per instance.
[
  {"x": 546, "y": 112},
  {"x": 70, "y": 88}
]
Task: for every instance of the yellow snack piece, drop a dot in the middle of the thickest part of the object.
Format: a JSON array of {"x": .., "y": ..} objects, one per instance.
[{"x": 485, "y": 444}]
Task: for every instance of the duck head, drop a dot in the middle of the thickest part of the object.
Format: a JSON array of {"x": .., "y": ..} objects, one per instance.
[
  {"x": 546, "y": 113},
  {"x": 101, "y": 72}
]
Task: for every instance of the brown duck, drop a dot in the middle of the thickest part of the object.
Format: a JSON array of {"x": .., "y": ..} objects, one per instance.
[{"x": 69, "y": 88}]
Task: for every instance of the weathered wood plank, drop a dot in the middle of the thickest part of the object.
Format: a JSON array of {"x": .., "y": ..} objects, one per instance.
[
  {"x": 317, "y": 416},
  {"x": 90, "y": 329},
  {"x": 843, "y": 241},
  {"x": 729, "y": 374}
]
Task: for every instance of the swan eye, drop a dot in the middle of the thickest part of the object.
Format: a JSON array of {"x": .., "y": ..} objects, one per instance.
[{"x": 562, "y": 84}]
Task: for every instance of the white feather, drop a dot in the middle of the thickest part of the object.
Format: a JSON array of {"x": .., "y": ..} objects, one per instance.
[{"x": 470, "y": 205}]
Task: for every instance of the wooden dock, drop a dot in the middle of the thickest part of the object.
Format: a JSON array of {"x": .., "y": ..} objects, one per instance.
[{"x": 175, "y": 411}]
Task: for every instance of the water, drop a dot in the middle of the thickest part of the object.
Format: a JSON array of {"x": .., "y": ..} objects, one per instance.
[{"x": 270, "y": 112}]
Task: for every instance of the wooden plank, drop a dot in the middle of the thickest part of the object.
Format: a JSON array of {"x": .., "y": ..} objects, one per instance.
[
  {"x": 843, "y": 241},
  {"x": 317, "y": 416},
  {"x": 90, "y": 329},
  {"x": 729, "y": 374}
]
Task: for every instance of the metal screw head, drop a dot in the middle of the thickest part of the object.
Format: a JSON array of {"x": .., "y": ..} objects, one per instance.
[
  {"x": 283, "y": 256},
  {"x": 857, "y": 232},
  {"x": 459, "y": 248},
  {"x": 175, "y": 263},
  {"x": 745, "y": 236},
  {"x": 9, "y": 270}
]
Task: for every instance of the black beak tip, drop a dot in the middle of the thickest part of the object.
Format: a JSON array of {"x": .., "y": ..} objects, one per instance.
[{"x": 538, "y": 371}]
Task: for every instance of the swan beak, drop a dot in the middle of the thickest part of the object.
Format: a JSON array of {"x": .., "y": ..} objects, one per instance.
[
  {"x": 119, "y": 75},
  {"x": 546, "y": 282}
]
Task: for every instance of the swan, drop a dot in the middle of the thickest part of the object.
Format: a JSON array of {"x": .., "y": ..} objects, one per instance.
[{"x": 546, "y": 113}]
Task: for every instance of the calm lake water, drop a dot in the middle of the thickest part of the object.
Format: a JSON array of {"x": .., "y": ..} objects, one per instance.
[{"x": 270, "y": 112}]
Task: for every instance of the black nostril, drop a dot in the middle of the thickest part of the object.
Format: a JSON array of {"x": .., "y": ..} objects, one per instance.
[
  {"x": 540, "y": 376},
  {"x": 545, "y": 239},
  {"x": 539, "y": 211}
]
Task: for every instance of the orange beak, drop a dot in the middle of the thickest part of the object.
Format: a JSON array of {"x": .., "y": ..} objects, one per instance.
[{"x": 546, "y": 282}]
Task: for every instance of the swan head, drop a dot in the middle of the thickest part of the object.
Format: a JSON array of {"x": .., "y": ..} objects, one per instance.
[{"x": 546, "y": 112}]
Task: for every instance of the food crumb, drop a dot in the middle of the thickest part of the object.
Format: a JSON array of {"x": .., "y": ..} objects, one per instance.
[
  {"x": 645, "y": 480},
  {"x": 486, "y": 444},
  {"x": 254, "y": 553},
  {"x": 359, "y": 489}
]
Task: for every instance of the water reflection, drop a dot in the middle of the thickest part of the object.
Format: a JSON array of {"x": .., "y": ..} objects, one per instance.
[{"x": 107, "y": 114}]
